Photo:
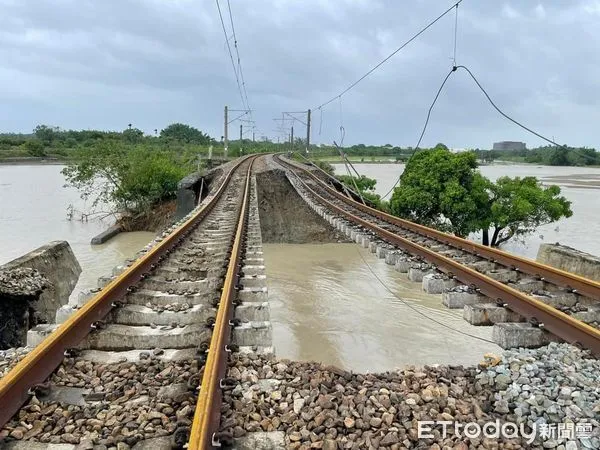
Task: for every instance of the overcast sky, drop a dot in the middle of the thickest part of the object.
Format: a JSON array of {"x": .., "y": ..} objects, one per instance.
[{"x": 105, "y": 63}]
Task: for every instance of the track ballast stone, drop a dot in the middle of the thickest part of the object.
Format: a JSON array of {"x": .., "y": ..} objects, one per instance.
[{"x": 318, "y": 406}]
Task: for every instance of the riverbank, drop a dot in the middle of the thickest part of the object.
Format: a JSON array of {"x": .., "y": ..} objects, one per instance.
[{"x": 31, "y": 161}]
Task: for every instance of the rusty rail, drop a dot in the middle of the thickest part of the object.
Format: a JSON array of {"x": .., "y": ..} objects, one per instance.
[
  {"x": 208, "y": 407},
  {"x": 576, "y": 283},
  {"x": 555, "y": 321},
  {"x": 45, "y": 358}
]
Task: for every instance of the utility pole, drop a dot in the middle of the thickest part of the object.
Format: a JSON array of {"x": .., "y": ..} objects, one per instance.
[
  {"x": 307, "y": 131},
  {"x": 241, "y": 141},
  {"x": 253, "y": 137},
  {"x": 292, "y": 140},
  {"x": 226, "y": 141}
]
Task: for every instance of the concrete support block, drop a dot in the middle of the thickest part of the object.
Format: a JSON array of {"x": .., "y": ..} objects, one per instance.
[
  {"x": 528, "y": 285},
  {"x": 253, "y": 295},
  {"x": 458, "y": 299},
  {"x": 489, "y": 314},
  {"x": 248, "y": 312},
  {"x": 85, "y": 295},
  {"x": 482, "y": 266},
  {"x": 63, "y": 313},
  {"x": 392, "y": 256},
  {"x": 40, "y": 332},
  {"x": 254, "y": 281},
  {"x": 382, "y": 251},
  {"x": 366, "y": 241},
  {"x": 373, "y": 246},
  {"x": 503, "y": 275},
  {"x": 253, "y": 334},
  {"x": 403, "y": 264},
  {"x": 417, "y": 273},
  {"x": 436, "y": 283},
  {"x": 510, "y": 335},
  {"x": 104, "y": 281}
]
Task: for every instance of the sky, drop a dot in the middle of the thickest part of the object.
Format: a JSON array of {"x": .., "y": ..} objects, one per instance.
[{"x": 89, "y": 64}]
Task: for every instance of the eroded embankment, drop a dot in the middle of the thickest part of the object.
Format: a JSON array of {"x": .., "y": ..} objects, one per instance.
[{"x": 285, "y": 217}]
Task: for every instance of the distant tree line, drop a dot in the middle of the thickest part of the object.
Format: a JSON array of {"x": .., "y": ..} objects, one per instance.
[{"x": 549, "y": 155}]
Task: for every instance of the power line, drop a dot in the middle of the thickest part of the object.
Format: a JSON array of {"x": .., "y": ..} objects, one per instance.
[
  {"x": 415, "y": 309},
  {"x": 502, "y": 113},
  {"x": 437, "y": 95},
  {"x": 235, "y": 44},
  {"x": 237, "y": 79},
  {"x": 373, "y": 69}
]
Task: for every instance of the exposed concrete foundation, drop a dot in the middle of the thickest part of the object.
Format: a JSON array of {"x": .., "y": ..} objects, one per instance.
[
  {"x": 33, "y": 287},
  {"x": 489, "y": 314},
  {"x": 455, "y": 299},
  {"x": 570, "y": 260},
  {"x": 510, "y": 335}
]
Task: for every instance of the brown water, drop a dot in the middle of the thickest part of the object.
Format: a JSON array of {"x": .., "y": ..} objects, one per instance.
[
  {"x": 330, "y": 303},
  {"x": 33, "y": 211},
  {"x": 581, "y": 185}
]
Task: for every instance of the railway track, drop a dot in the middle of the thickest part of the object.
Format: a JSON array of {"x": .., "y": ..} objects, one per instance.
[
  {"x": 548, "y": 298},
  {"x": 127, "y": 366}
]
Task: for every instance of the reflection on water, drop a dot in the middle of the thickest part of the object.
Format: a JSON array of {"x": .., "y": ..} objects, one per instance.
[
  {"x": 327, "y": 306},
  {"x": 33, "y": 211},
  {"x": 579, "y": 184}
]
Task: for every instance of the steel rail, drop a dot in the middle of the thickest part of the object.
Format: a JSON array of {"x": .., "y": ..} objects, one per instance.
[
  {"x": 16, "y": 385},
  {"x": 553, "y": 320},
  {"x": 577, "y": 284},
  {"x": 208, "y": 407}
]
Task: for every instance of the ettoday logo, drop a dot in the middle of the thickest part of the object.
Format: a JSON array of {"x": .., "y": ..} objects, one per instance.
[{"x": 506, "y": 430}]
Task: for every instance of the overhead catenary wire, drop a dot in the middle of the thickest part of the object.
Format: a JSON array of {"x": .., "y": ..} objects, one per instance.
[
  {"x": 239, "y": 61},
  {"x": 387, "y": 58},
  {"x": 237, "y": 78}
]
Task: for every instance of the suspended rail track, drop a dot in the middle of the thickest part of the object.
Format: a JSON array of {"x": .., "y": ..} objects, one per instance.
[{"x": 406, "y": 235}]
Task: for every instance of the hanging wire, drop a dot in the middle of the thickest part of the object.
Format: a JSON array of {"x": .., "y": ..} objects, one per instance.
[
  {"x": 437, "y": 95},
  {"x": 455, "y": 34},
  {"x": 383, "y": 61},
  {"x": 416, "y": 309}
]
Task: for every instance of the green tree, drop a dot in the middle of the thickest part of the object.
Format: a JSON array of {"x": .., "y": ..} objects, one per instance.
[
  {"x": 185, "y": 133},
  {"x": 35, "y": 147},
  {"x": 559, "y": 156},
  {"x": 446, "y": 191},
  {"x": 519, "y": 205},
  {"x": 46, "y": 134},
  {"x": 133, "y": 135},
  {"x": 442, "y": 190},
  {"x": 126, "y": 180}
]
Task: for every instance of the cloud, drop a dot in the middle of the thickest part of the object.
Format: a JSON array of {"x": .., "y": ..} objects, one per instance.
[{"x": 90, "y": 64}]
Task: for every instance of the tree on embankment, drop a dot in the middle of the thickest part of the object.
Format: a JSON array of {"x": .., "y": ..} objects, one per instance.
[
  {"x": 126, "y": 180},
  {"x": 445, "y": 190},
  {"x": 185, "y": 134}
]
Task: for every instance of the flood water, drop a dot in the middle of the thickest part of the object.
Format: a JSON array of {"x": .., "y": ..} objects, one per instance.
[
  {"x": 339, "y": 304},
  {"x": 580, "y": 185},
  {"x": 33, "y": 212}
]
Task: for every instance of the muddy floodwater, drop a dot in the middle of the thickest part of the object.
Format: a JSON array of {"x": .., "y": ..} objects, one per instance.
[
  {"x": 33, "y": 211},
  {"x": 580, "y": 185},
  {"x": 339, "y": 304}
]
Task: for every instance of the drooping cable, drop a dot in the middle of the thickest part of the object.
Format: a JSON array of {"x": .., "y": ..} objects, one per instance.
[
  {"x": 416, "y": 309},
  {"x": 437, "y": 95},
  {"x": 387, "y": 58}
]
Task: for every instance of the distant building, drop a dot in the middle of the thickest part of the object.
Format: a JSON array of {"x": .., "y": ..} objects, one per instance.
[{"x": 510, "y": 145}]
